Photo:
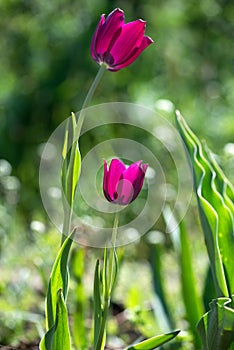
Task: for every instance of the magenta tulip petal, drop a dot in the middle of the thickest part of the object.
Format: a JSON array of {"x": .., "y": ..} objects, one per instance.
[
  {"x": 105, "y": 182},
  {"x": 125, "y": 192},
  {"x": 129, "y": 39},
  {"x": 109, "y": 32},
  {"x": 122, "y": 185},
  {"x": 130, "y": 59},
  {"x": 135, "y": 174},
  {"x": 115, "y": 171},
  {"x": 117, "y": 44},
  {"x": 95, "y": 36},
  {"x": 133, "y": 171}
]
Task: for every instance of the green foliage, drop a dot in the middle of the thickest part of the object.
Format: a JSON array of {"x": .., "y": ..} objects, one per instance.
[
  {"x": 97, "y": 307},
  {"x": 58, "y": 286},
  {"x": 191, "y": 298},
  {"x": 58, "y": 336},
  {"x": 216, "y": 327},
  {"x": 216, "y": 210},
  {"x": 162, "y": 313},
  {"x": 71, "y": 167},
  {"x": 46, "y": 71},
  {"x": 78, "y": 323},
  {"x": 215, "y": 202},
  {"x": 154, "y": 342},
  {"x": 103, "y": 287}
]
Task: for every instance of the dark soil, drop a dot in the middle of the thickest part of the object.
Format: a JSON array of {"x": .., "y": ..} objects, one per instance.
[{"x": 21, "y": 346}]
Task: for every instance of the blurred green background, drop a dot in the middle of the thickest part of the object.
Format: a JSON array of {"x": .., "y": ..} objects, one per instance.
[{"x": 45, "y": 72}]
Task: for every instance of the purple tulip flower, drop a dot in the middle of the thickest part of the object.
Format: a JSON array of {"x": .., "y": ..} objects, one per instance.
[
  {"x": 121, "y": 184},
  {"x": 117, "y": 44}
]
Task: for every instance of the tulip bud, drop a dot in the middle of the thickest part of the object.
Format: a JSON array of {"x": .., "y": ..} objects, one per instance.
[{"x": 121, "y": 184}]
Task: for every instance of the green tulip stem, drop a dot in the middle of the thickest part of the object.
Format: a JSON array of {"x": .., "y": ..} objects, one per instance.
[
  {"x": 88, "y": 98},
  {"x": 111, "y": 270},
  {"x": 76, "y": 134},
  {"x": 112, "y": 254}
]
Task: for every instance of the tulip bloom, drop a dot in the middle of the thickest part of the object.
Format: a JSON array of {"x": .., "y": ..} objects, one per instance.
[
  {"x": 117, "y": 44},
  {"x": 121, "y": 184}
]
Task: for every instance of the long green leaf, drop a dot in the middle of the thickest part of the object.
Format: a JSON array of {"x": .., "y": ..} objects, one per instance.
[
  {"x": 58, "y": 337},
  {"x": 115, "y": 271},
  {"x": 191, "y": 299},
  {"x": 222, "y": 183},
  {"x": 162, "y": 311},
  {"x": 79, "y": 331},
  {"x": 192, "y": 302},
  {"x": 154, "y": 342},
  {"x": 97, "y": 303},
  {"x": 58, "y": 280},
  {"x": 215, "y": 199},
  {"x": 208, "y": 289},
  {"x": 216, "y": 327},
  {"x": 64, "y": 164}
]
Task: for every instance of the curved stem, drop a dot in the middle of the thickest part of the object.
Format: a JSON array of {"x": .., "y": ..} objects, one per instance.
[
  {"x": 90, "y": 93},
  {"x": 76, "y": 135}
]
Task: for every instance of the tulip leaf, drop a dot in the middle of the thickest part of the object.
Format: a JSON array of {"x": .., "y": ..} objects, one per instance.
[
  {"x": 191, "y": 299},
  {"x": 65, "y": 142},
  {"x": 105, "y": 274},
  {"x": 73, "y": 172},
  {"x": 58, "y": 280},
  {"x": 115, "y": 270},
  {"x": 79, "y": 331},
  {"x": 71, "y": 166},
  {"x": 160, "y": 305},
  {"x": 97, "y": 302},
  {"x": 215, "y": 202},
  {"x": 216, "y": 327},
  {"x": 58, "y": 336},
  {"x": 154, "y": 342},
  {"x": 64, "y": 156}
]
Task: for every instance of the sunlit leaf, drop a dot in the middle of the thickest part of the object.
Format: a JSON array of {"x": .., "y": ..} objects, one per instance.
[
  {"x": 208, "y": 289},
  {"x": 115, "y": 270},
  {"x": 73, "y": 172},
  {"x": 105, "y": 274},
  {"x": 65, "y": 142},
  {"x": 64, "y": 164},
  {"x": 58, "y": 280},
  {"x": 154, "y": 342},
  {"x": 58, "y": 337},
  {"x": 162, "y": 311},
  {"x": 215, "y": 208},
  {"x": 97, "y": 303},
  {"x": 79, "y": 330},
  {"x": 191, "y": 299}
]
